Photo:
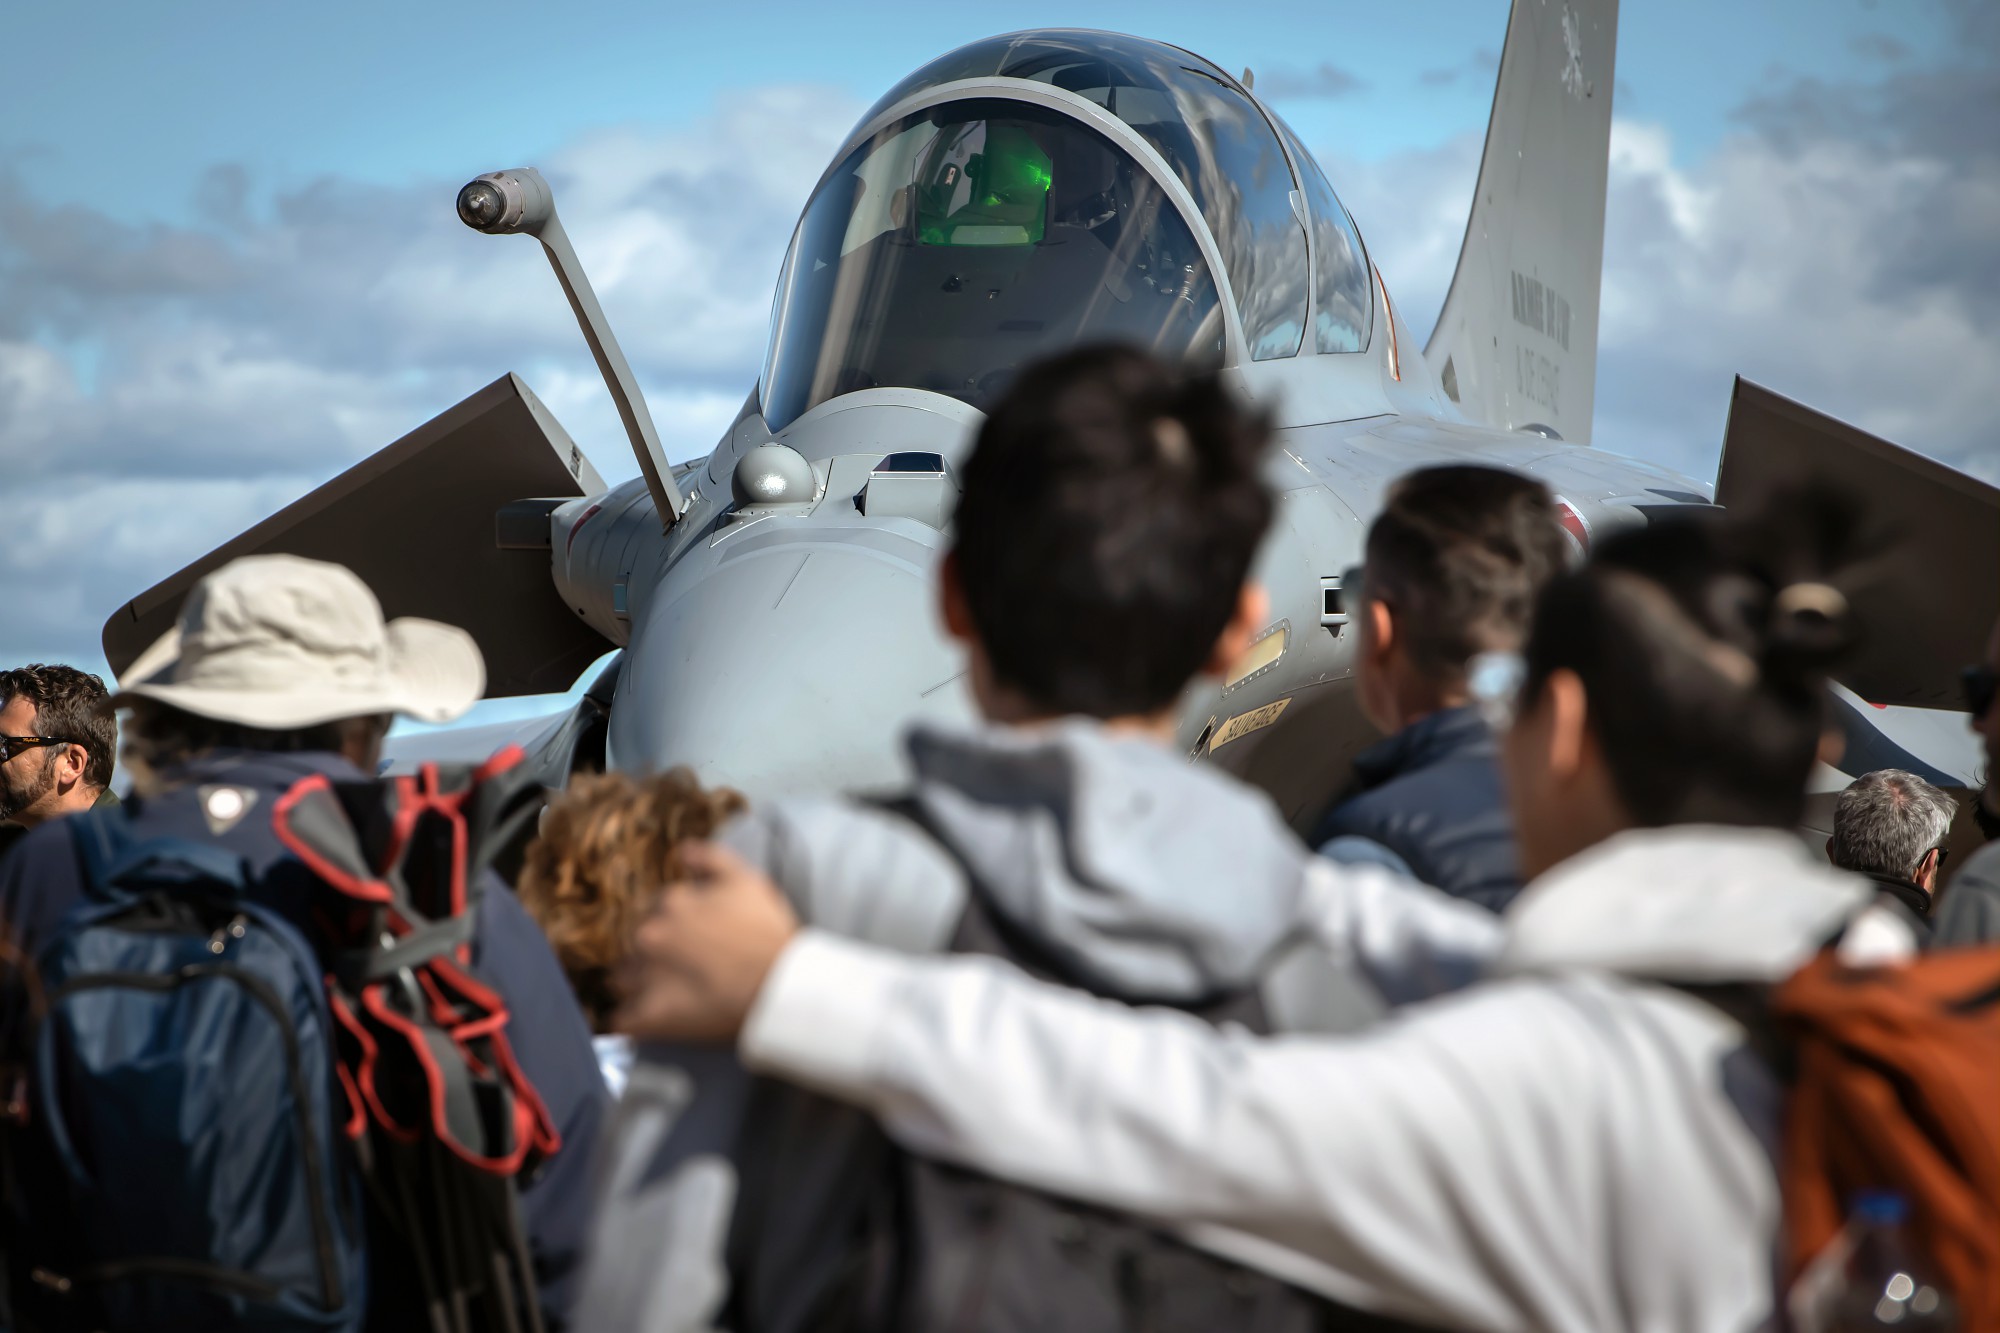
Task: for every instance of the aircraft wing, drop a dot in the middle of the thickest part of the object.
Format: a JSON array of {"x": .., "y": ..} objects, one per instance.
[
  {"x": 417, "y": 522},
  {"x": 1930, "y": 602}
]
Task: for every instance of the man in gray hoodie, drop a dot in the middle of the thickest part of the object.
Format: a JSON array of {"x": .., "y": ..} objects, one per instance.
[{"x": 1110, "y": 513}]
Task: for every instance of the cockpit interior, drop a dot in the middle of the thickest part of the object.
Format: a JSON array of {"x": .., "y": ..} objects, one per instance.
[{"x": 979, "y": 233}]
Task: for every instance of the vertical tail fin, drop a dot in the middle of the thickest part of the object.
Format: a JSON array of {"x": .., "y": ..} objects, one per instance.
[{"x": 1516, "y": 342}]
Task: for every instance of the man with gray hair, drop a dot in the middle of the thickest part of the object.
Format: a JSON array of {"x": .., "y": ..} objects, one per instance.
[{"x": 1890, "y": 826}]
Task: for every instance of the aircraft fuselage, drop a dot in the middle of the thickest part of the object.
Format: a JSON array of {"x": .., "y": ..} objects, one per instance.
[{"x": 785, "y": 646}]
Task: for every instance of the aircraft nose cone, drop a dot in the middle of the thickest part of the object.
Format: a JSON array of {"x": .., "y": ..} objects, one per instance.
[{"x": 794, "y": 666}]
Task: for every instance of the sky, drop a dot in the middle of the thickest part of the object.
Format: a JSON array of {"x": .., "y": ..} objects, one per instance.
[{"x": 229, "y": 265}]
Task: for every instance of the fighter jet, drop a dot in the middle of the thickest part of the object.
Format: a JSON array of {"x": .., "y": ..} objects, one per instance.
[{"x": 771, "y": 603}]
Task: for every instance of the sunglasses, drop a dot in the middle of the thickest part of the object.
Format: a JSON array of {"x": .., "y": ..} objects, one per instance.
[
  {"x": 1494, "y": 681},
  {"x": 13, "y": 745},
  {"x": 1981, "y": 684}
]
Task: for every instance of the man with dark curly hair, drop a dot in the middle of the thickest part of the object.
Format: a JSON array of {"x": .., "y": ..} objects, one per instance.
[{"x": 57, "y": 747}]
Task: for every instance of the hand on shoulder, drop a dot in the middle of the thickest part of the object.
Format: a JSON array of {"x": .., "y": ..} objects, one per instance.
[{"x": 700, "y": 959}]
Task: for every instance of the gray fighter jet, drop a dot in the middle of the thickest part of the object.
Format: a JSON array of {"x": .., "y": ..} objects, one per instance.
[{"x": 772, "y": 602}]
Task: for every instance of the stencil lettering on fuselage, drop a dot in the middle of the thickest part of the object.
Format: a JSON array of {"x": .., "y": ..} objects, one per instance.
[
  {"x": 1541, "y": 308},
  {"x": 1538, "y": 306},
  {"x": 1236, "y": 728},
  {"x": 1537, "y": 378}
]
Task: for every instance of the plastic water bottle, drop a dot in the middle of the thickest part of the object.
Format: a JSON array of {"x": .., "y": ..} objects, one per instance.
[{"x": 1871, "y": 1277}]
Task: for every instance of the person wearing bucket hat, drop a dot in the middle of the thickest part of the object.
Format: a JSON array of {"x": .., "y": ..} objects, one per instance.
[
  {"x": 277, "y": 669},
  {"x": 282, "y": 644}
]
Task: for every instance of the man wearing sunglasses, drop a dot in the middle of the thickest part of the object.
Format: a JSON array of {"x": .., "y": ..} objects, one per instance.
[
  {"x": 1970, "y": 913},
  {"x": 57, "y": 747}
]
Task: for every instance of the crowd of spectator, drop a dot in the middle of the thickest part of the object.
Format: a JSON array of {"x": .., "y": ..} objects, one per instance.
[{"x": 1071, "y": 1033}]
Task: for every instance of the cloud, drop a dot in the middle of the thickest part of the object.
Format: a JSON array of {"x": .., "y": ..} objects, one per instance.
[
  {"x": 162, "y": 388},
  {"x": 1479, "y": 67},
  {"x": 1327, "y": 82},
  {"x": 1411, "y": 209},
  {"x": 1878, "y": 46},
  {"x": 1837, "y": 246},
  {"x": 1796, "y": 267}
]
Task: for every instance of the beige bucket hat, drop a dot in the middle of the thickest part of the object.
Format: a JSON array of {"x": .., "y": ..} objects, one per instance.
[{"x": 278, "y": 641}]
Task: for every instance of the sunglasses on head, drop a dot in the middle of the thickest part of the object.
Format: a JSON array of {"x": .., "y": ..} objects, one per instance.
[{"x": 1981, "y": 684}]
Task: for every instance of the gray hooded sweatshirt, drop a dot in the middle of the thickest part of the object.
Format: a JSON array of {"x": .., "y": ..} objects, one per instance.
[{"x": 1141, "y": 875}]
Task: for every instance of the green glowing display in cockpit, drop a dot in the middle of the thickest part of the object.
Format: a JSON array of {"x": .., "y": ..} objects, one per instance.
[{"x": 984, "y": 185}]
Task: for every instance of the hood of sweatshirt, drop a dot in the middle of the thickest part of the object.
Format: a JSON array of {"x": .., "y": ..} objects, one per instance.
[
  {"x": 1694, "y": 903},
  {"x": 1150, "y": 877}
]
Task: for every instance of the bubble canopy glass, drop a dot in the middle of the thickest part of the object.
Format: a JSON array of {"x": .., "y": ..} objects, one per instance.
[
  {"x": 964, "y": 241},
  {"x": 1211, "y": 134}
]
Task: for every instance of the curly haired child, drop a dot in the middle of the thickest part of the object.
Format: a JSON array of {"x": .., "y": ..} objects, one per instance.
[{"x": 606, "y": 848}]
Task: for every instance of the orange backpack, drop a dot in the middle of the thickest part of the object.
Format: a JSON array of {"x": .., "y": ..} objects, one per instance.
[{"x": 1896, "y": 1085}]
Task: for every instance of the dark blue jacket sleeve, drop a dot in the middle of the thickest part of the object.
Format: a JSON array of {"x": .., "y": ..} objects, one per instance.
[{"x": 552, "y": 1044}]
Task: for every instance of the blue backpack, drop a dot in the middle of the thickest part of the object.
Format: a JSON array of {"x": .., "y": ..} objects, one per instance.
[{"x": 187, "y": 1169}]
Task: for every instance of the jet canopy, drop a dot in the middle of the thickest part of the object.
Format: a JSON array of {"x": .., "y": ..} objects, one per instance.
[
  {"x": 975, "y": 235},
  {"x": 969, "y": 239}
]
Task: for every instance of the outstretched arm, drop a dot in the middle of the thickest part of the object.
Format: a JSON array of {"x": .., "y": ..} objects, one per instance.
[
  {"x": 1411, "y": 941},
  {"x": 1363, "y": 1161}
]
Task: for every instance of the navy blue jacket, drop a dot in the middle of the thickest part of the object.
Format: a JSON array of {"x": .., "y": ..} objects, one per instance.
[
  {"x": 42, "y": 877},
  {"x": 1430, "y": 796}
]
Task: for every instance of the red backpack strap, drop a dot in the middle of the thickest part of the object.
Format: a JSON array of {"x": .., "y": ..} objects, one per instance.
[
  {"x": 444, "y": 1120},
  {"x": 314, "y": 826},
  {"x": 424, "y": 1042}
]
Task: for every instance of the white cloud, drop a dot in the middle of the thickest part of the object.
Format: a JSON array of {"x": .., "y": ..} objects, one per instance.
[
  {"x": 1785, "y": 262},
  {"x": 73, "y": 554},
  {"x": 162, "y": 388},
  {"x": 1411, "y": 210},
  {"x": 1839, "y": 247}
]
